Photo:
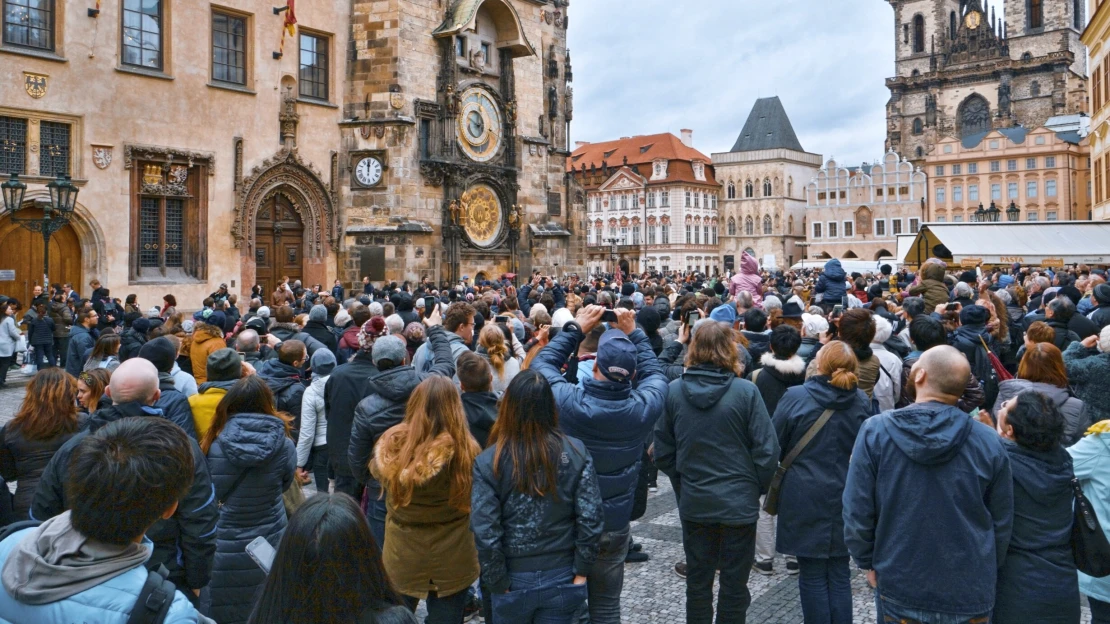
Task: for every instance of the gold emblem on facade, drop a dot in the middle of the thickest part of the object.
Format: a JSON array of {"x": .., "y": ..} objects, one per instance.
[
  {"x": 152, "y": 174},
  {"x": 34, "y": 84},
  {"x": 480, "y": 213}
]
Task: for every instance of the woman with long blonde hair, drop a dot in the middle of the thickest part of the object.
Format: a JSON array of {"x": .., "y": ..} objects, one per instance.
[
  {"x": 45, "y": 421},
  {"x": 494, "y": 340},
  {"x": 424, "y": 465}
]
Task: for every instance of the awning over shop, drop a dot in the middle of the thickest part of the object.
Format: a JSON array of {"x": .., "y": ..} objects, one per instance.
[{"x": 1047, "y": 244}]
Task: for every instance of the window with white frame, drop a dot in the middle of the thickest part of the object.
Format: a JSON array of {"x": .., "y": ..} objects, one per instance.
[
  {"x": 665, "y": 199},
  {"x": 651, "y": 199},
  {"x": 996, "y": 166},
  {"x": 957, "y": 169},
  {"x": 832, "y": 229},
  {"x": 816, "y": 230},
  {"x": 651, "y": 235},
  {"x": 1050, "y": 188},
  {"x": 624, "y": 236},
  {"x": 1011, "y": 190},
  {"x": 895, "y": 227},
  {"x": 958, "y": 219},
  {"x": 687, "y": 199},
  {"x": 689, "y": 237},
  {"x": 996, "y": 191},
  {"x": 697, "y": 200},
  {"x": 957, "y": 194},
  {"x": 940, "y": 195},
  {"x": 1049, "y": 162},
  {"x": 1032, "y": 215},
  {"x": 941, "y": 219},
  {"x": 973, "y": 192},
  {"x": 1031, "y": 188},
  {"x": 915, "y": 225},
  {"x": 665, "y": 232},
  {"x": 973, "y": 167},
  {"x": 848, "y": 229},
  {"x": 1030, "y": 163},
  {"x": 1050, "y": 215},
  {"x": 880, "y": 227}
]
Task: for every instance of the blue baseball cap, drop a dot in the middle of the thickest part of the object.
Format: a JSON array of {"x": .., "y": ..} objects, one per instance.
[
  {"x": 616, "y": 356},
  {"x": 724, "y": 313}
]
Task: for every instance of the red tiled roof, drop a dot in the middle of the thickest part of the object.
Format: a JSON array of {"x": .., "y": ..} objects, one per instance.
[{"x": 642, "y": 150}]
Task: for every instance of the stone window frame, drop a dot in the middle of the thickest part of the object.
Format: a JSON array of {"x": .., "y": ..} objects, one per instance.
[
  {"x": 248, "y": 48},
  {"x": 34, "y": 122}
]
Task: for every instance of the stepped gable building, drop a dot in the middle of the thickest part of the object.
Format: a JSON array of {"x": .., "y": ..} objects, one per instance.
[
  {"x": 963, "y": 72},
  {"x": 763, "y": 208},
  {"x": 651, "y": 201},
  {"x": 454, "y": 131}
]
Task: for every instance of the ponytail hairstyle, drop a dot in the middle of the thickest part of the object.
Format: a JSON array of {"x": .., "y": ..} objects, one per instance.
[
  {"x": 492, "y": 340},
  {"x": 838, "y": 362}
]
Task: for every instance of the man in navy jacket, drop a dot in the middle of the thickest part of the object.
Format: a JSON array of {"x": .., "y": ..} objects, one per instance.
[
  {"x": 611, "y": 413},
  {"x": 928, "y": 506}
]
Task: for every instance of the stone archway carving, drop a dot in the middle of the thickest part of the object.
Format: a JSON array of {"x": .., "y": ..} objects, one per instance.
[
  {"x": 94, "y": 246},
  {"x": 301, "y": 183}
]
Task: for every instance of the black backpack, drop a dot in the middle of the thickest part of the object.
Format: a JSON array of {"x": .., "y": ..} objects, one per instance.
[
  {"x": 153, "y": 603},
  {"x": 983, "y": 370}
]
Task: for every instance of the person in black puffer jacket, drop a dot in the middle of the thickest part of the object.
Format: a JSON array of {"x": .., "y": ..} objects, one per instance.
[
  {"x": 186, "y": 542},
  {"x": 133, "y": 339},
  {"x": 782, "y": 368},
  {"x": 759, "y": 341},
  {"x": 479, "y": 402},
  {"x": 285, "y": 329},
  {"x": 252, "y": 460},
  {"x": 385, "y": 406},
  {"x": 537, "y": 515},
  {"x": 284, "y": 378},
  {"x": 317, "y": 327}
]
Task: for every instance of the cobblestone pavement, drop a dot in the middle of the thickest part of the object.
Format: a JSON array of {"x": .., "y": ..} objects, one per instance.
[{"x": 653, "y": 594}]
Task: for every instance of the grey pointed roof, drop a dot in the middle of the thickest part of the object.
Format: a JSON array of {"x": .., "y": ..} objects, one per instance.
[{"x": 767, "y": 127}]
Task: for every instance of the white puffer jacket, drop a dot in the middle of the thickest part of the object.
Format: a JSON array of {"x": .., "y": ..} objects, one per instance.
[{"x": 314, "y": 422}]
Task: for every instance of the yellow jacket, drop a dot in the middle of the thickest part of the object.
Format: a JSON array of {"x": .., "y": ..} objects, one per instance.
[{"x": 204, "y": 405}]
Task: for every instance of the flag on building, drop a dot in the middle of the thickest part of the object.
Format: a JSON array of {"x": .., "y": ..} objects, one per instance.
[{"x": 289, "y": 26}]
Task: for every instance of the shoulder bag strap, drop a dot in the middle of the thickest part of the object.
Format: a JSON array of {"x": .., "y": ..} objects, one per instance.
[
  {"x": 806, "y": 439},
  {"x": 220, "y": 500}
]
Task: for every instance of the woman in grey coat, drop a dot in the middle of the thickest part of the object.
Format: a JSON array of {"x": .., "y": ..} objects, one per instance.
[
  {"x": 252, "y": 462},
  {"x": 1042, "y": 370},
  {"x": 9, "y": 338}
]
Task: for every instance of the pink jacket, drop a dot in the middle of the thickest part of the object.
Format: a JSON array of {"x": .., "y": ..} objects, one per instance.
[{"x": 747, "y": 279}]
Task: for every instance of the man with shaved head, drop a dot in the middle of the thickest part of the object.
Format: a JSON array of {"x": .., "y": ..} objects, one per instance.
[
  {"x": 185, "y": 542},
  {"x": 928, "y": 506}
]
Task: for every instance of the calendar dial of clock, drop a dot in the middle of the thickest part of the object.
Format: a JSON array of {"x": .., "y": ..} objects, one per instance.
[{"x": 479, "y": 125}]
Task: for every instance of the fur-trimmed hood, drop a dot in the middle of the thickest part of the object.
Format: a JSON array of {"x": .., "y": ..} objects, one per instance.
[
  {"x": 793, "y": 366},
  {"x": 427, "y": 464}
]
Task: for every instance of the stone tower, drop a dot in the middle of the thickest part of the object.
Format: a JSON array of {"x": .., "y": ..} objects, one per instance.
[{"x": 962, "y": 70}]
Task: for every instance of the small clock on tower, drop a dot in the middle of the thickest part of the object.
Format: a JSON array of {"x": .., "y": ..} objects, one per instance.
[{"x": 368, "y": 172}]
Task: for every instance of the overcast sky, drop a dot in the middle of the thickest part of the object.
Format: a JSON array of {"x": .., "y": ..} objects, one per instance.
[{"x": 659, "y": 65}]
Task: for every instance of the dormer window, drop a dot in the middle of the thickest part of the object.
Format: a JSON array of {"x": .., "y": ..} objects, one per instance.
[
  {"x": 659, "y": 170},
  {"x": 699, "y": 171}
]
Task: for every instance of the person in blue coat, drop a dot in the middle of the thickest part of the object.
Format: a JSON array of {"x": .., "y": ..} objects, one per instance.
[
  {"x": 811, "y": 518},
  {"x": 81, "y": 341},
  {"x": 929, "y": 505},
  {"x": 1032, "y": 426},
  {"x": 612, "y": 413},
  {"x": 90, "y": 563},
  {"x": 830, "y": 285},
  {"x": 162, "y": 353},
  {"x": 252, "y": 460},
  {"x": 1091, "y": 464}
]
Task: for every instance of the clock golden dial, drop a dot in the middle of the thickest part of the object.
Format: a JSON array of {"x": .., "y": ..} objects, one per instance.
[
  {"x": 479, "y": 125},
  {"x": 973, "y": 19},
  {"x": 481, "y": 215}
]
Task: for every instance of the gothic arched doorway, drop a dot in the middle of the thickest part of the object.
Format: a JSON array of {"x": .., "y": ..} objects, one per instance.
[
  {"x": 21, "y": 251},
  {"x": 279, "y": 243}
]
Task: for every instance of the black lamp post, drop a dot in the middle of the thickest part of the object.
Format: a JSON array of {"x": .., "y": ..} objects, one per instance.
[
  {"x": 1013, "y": 213},
  {"x": 613, "y": 255},
  {"x": 993, "y": 213},
  {"x": 979, "y": 215},
  {"x": 55, "y": 215}
]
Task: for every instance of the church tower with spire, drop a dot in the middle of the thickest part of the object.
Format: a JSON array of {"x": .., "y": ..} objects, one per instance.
[{"x": 962, "y": 69}]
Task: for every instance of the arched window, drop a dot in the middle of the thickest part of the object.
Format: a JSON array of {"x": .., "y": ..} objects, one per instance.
[
  {"x": 1027, "y": 56},
  {"x": 1035, "y": 10},
  {"x": 749, "y": 227},
  {"x": 749, "y": 189},
  {"x": 952, "y": 25},
  {"x": 919, "y": 32},
  {"x": 767, "y": 224},
  {"x": 766, "y": 188},
  {"x": 731, "y": 190},
  {"x": 790, "y": 187},
  {"x": 1035, "y": 89},
  {"x": 920, "y": 152},
  {"x": 1077, "y": 14},
  {"x": 918, "y": 127},
  {"x": 790, "y": 224},
  {"x": 731, "y": 226}
]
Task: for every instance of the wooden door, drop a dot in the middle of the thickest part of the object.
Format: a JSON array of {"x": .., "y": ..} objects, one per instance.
[
  {"x": 21, "y": 251},
  {"x": 279, "y": 244}
]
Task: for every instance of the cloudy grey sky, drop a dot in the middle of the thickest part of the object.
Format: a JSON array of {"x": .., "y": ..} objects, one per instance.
[{"x": 660, "y": 65}]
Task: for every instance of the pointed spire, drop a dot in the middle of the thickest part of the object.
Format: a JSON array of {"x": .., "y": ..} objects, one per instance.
[{"x": 994, "y": 26}]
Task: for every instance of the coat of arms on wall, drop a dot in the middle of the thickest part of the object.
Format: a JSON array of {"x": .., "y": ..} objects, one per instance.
[
  {"x": 34, "y": 84},
  {"x": 102, "y": 156}
]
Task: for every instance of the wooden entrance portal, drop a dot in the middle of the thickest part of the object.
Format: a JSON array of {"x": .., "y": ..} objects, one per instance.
[
  {"x": 21, "y": 251},
  {"x": 279, "y": 244}
]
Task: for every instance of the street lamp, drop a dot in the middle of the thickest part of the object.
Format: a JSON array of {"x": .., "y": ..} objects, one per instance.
[
  {"x": 993, "y": 213},
  {"x": 1013, "y": 213},
  {"x": 55, "y": 214},
  {"x": 613, "y": 256},
  {"x": 979, "y": 215}
]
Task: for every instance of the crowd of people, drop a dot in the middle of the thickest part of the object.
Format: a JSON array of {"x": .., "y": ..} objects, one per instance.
[{"x": 484, "y": 448}]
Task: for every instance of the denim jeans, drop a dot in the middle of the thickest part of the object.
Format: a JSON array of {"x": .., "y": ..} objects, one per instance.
[
  {"x": 375, "y": 513},
  {"x": 1100, "y": 611},
  {"x": 44, "y": 356},
  {"x": 893, "y": 613},
  {"x": 606, "y": 579},
  {"x": 710, "y": 547},
  {"x": 825, "y": 588},
  {"x": 441, "y": 609},
  {"x": 541, "y": 597},
  {"x": 318, "y": 462}
]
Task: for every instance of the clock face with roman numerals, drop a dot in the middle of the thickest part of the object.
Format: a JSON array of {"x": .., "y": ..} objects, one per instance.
[
  {"x": 479, "y": 125},
  {"x": 368, "y": 171}
]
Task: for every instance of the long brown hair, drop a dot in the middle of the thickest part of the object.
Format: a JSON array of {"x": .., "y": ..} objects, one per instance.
[
  {"x": 715, "y": 344},
  {"x": 492, "y": 338},
  {"x": 839, "y": 363},
  {"x": 106, "y": 345},
  {"x": 49, "y": 408},
  {"x": 96, "y": 380},
  {"x": 1043, "y": 362},
  {"x": 249, "y": 395},
  {"x": 434, "y": 417},
  {"x": 526, "y": 435}
]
